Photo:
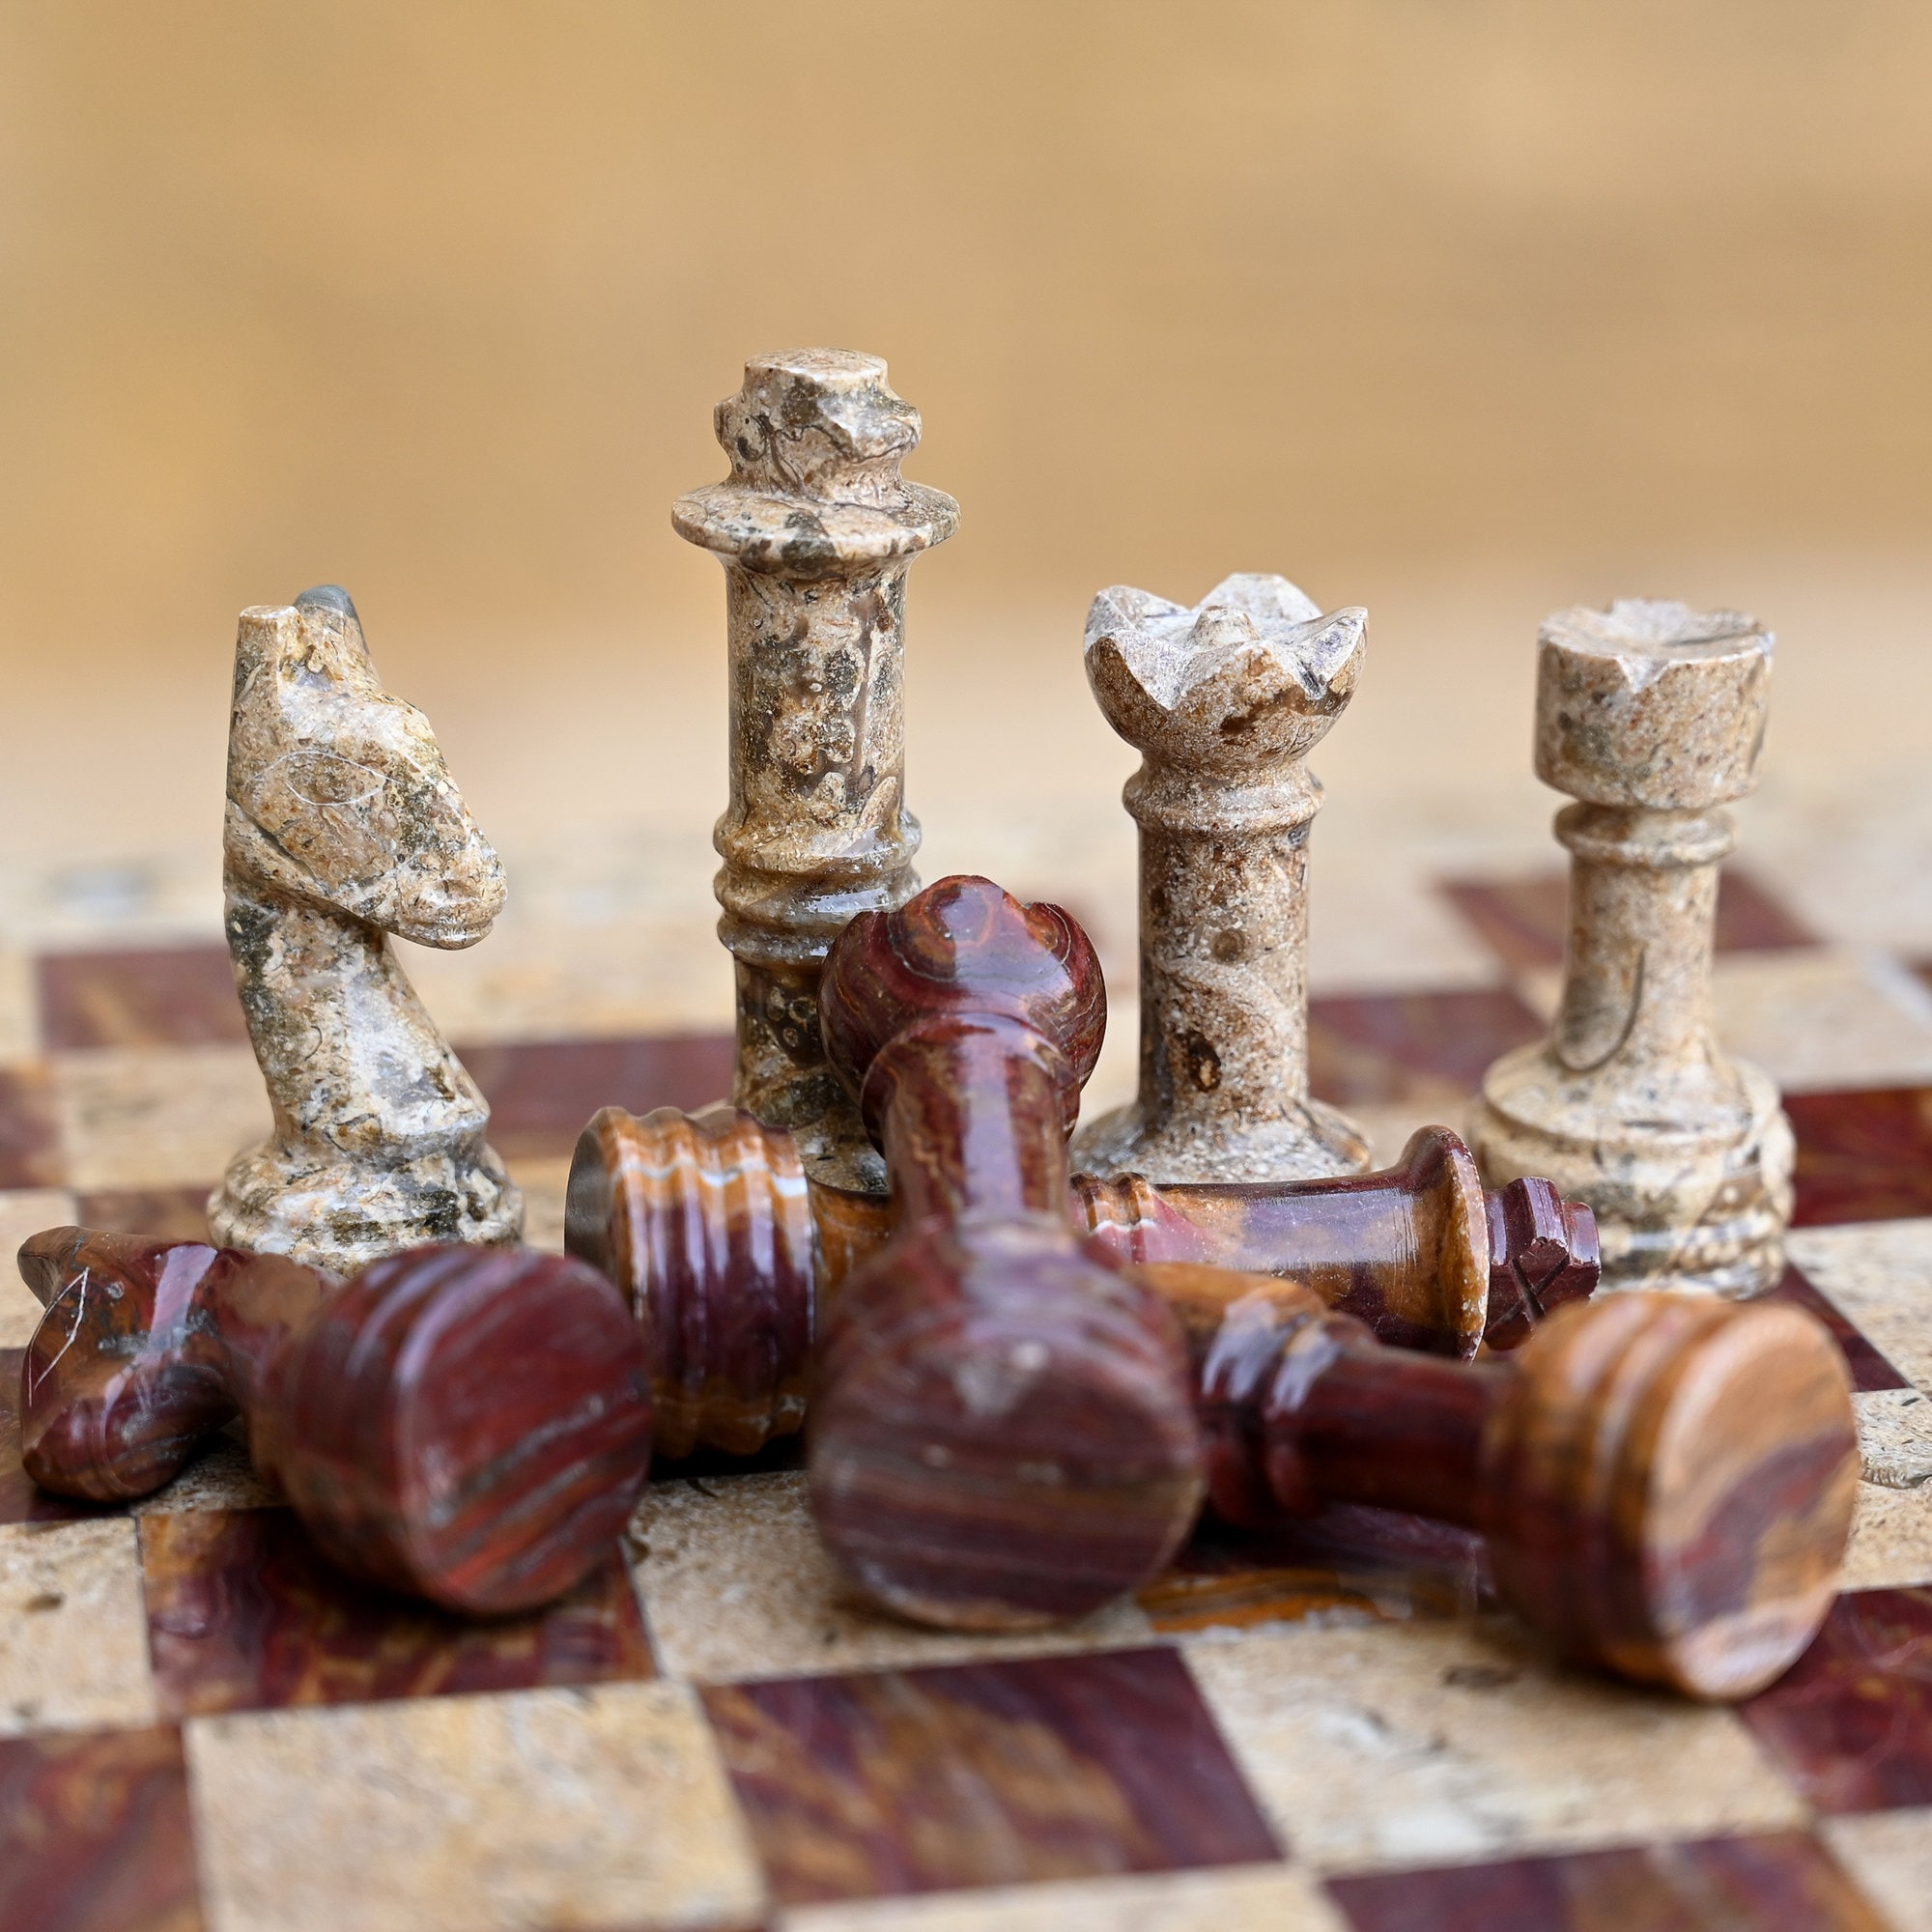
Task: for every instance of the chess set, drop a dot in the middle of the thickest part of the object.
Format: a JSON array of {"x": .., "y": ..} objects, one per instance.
[{"x": 903, "y": 1502}]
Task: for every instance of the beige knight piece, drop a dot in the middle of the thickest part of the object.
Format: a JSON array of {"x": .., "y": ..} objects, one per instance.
[
  {"x": 343, "y": 826},
  {"x": 1650, "y": 715},
  {"x": 816, "y": 529},
  {"x": 1224, "y": 701}
]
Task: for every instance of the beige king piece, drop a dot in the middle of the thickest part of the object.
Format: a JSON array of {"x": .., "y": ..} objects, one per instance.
[{"x": 1650, "y": 715}]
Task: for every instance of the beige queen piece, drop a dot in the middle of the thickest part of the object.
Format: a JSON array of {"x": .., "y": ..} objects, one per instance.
[{"x": 1651, "y": 716}]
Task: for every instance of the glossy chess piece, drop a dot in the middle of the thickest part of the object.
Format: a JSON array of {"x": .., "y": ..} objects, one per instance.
[
  {"x": 1224, "y": 701},
  {"x": 816, "y": 529},
  {"x": 1002, "y": 1432},
  {"x": 344, "y": 826},
  {"x": 467, "y": 1424},
  {"x": 1651, "y": 717},
  {"x": 1666, "y": 1484}
]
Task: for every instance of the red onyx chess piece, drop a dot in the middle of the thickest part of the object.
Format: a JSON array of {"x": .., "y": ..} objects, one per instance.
[
  {"x": 816, "y": 529},
  {"x": 470, "y": 1425},
  {"x": 1666, "y": 1484},
  {"x": 727, "y": 1248},
  {"x": 1225, "y": 701},
  {"x": 1002, "y": 1432}
]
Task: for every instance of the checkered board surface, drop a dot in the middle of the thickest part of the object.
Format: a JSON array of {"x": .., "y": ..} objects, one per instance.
[{"x": 202, "y": 1726}]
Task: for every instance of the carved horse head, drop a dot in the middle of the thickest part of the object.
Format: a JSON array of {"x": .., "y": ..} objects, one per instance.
[{"x": 338, "y": 792}]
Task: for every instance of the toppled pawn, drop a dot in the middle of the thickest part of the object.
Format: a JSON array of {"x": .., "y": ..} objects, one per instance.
[
  {"x": 1002, "y": 1432},
  {"x": 1666, "y": 1484},
  {"x": 1225, "y": 701},
  {"x": 726, "y": 1247},
  {"x": 1651, "y": 717},
  {"x": 343, "y": 825},
  {"x": 816, "y": 529},
  {"x": 470, "y": 1425}
]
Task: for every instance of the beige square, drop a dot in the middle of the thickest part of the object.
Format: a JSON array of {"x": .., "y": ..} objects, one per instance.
[
  {"x": 1895, "y": 1436},
  {"x": 157, "y": 1117},
  {"x": 1388, "y": 930},
  {"x": 20, "y": 1008},
  {"x": 736, "y": 1584},
  {"x": 1880, "y": 1274},
  {"x": 544, "y": 1182},
  {"x": 1236, "y": 1898},
  {"x": 1420, "y": 1744},
  {"x": 73, "y": 1632},
  {"x": 24, "y": 1212},
  {"x": 1892, "y": 1539},
  {"x": 220, "y": 1477},
  {"x": 1889, "y": 1855},
  {"x": 597, "y": 1808}
]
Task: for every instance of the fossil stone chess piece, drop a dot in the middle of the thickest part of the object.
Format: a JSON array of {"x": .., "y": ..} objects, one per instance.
[
  {"x": 1650, "y": 715},
  {"x": 343, "y": 825},
  {"x": 1002, "y": 1431},
  {"x": 470, "y": 1425},
  {"x": 1224, "y": 701},
  {"x": 816, "y": 529},
  {"x": 1665, "y": 1486}
]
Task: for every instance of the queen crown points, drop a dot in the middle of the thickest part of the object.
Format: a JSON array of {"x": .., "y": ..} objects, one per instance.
[{"x": 1254, "y": 671}]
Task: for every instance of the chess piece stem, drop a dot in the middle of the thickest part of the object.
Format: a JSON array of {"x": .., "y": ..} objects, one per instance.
[
  {"x": 343, "y": 825},
  {"x": 1224, "y": 701},
  {"x": 467, "y": 1424},
  {"x": 710, "y": 1225},
  {"x": 1665, "y": 1486},
  {"x": 817, "y": 530},
  {"x": 1002, "y": 1436},
  {"x": 1650, "y": 715}
]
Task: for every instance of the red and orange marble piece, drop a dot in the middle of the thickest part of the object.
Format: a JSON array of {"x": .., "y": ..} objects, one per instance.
[
  {"x": 1870, "y": 1369},
  {"x": 148, "y": 996},
  {"x": 1864, "y": 1154},
  {"x": 21, "y": 1498},
  {"x": 542, "y": 1092},
  {"x": 896, "y": 1782},
  {"x": 1769, "y": 1881},
  {"x": 30, "y": 1148},
  {"x": 1347, "y": 1558},
  {"x": 95, "y": 1836},
  {"x": 1371, "y": 1048},
  {"x": 243, "y": 1614},
  {"x": 1524, "y": 921},
  {"x": 1851, "y": 1722}
]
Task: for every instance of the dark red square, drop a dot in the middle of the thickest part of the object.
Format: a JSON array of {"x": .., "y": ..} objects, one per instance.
[
  {"x": 1432, "y": 1047},
  {"x": 1525, "y": 921},
  {"x": 886, "y": 1782},
  {"x": 30, "y": 1147},
  {"x": 152, "y": 996},
  {"x": 1851, "y": 1722},
  {"x": 158, "y": 1214},
  {"x": 1770, "y": 1882},
  {"x": 1864, "y": 1154},
  {"x": 1870, "y": 1369},
  {"x": 542, "y": 1092},
  {"x": 96, "y": 1834},
  {"x": 243, "y": 1614}
]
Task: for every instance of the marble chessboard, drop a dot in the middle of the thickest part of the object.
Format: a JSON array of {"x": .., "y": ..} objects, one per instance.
[{"x": 202, "y": 1726}]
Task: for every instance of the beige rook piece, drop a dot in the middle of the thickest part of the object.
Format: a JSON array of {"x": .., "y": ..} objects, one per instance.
[
  {"x": 343, "y": 826},
  {"x": 1224, "y": 701},
  {"x": 1650, "y": 715},
  {"x": 816, "y": 529}
]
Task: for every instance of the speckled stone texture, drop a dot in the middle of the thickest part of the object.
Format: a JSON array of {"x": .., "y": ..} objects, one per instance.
[
  {"x": 1651, "y": 716},
  {"x": 1224, "y": 701},
  {"x": 817, "y": 530},
  {"x": 343, "y": 826}
]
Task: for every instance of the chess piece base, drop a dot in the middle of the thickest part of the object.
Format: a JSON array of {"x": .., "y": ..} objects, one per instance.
[
  {"x": 342, "y": 1215},
  {"x": 1696, "y": 1206},
  {"x": 1313, "y": 1142}
]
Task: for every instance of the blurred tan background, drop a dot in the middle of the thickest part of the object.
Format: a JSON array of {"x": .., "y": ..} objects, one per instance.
[{"x": 1460, "y": 309}]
